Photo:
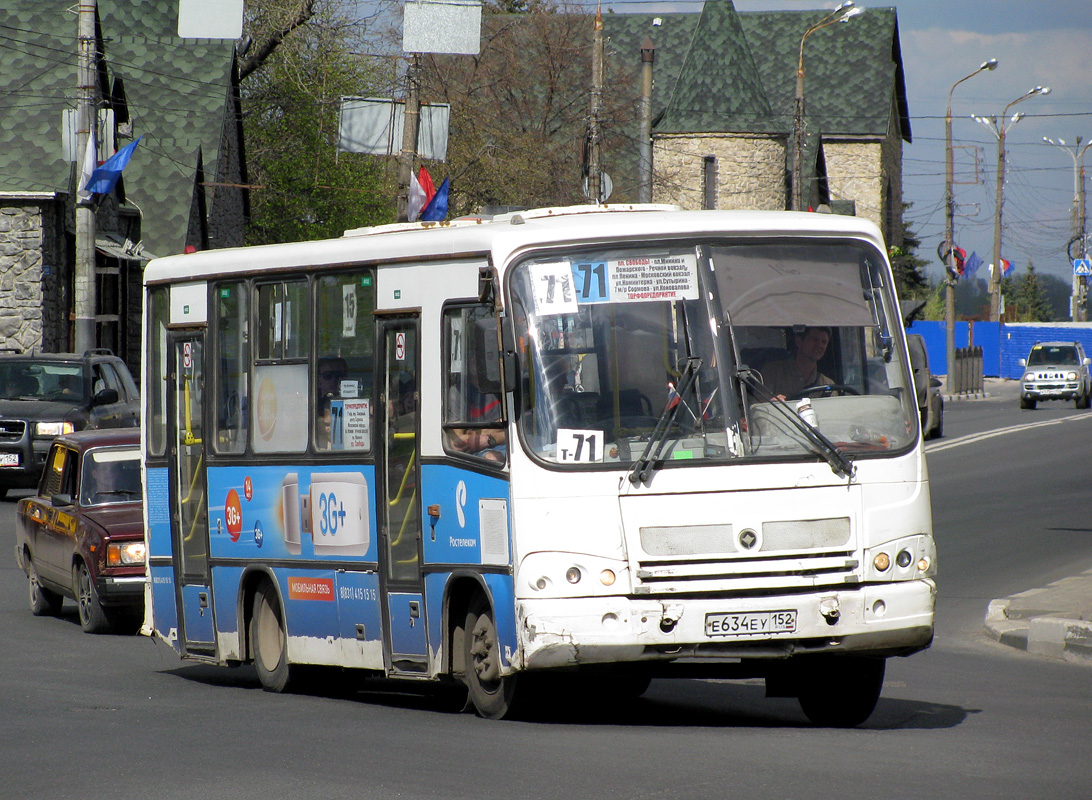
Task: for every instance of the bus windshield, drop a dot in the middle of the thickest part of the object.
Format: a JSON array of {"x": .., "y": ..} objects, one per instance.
[{"x": 770, "y": 349}]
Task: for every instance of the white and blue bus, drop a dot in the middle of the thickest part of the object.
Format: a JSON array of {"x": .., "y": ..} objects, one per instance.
[{"x": 605, "y": 444}]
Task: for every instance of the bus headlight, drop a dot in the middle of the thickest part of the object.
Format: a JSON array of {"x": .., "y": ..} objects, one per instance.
[
  {"x": 881, "y": 562},
  {"x": 555, "y": 575}
]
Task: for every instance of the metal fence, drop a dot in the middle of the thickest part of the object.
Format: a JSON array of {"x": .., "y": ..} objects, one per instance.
[{"x": 967, "y": 377}]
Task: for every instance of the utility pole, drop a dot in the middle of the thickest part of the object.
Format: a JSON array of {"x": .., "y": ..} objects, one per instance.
[
  {"x": 998, "y": 126},
  {"x": 648, "y": 56},
  {"x": 595, "y": 174},
  {"x": 1079, "y": 298},
  {"x": 409, "y": 134},
  {"x": 843, "y": 13},
  {"x": 85, "y": 301},
  {"x": 949, "y": 225}
]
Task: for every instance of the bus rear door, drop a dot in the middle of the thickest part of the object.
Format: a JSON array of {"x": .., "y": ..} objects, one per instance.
[{"x": 189, "y": 514}]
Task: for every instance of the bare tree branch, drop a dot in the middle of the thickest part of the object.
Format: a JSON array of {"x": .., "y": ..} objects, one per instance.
[{"x": 260, "y": 51}]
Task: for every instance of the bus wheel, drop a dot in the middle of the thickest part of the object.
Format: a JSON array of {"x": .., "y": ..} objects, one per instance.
[
  {"x": 840, "y": 692},
  {"x": 268, "y": 640},
  {"x": 491, "y": 693}
]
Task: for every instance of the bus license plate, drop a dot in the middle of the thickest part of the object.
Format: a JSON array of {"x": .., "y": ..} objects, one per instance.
[
  {"x": 752, "y": 623},
  {"x": 9, "y": 459}
]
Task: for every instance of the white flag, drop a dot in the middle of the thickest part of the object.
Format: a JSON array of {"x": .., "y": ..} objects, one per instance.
[
  {"x": 90, "y": 161},
  {"x": 417, "y": 198}
]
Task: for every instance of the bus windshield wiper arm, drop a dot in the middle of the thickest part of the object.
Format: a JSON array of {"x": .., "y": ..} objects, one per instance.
[
  {"x": 839, "y": 463},
  {"x": 642, "y": 467}
]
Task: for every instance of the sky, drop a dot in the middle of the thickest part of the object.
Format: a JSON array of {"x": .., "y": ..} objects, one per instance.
[{"x": 1036, "y": 43}]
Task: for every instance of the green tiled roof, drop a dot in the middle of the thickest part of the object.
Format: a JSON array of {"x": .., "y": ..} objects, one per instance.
[
  {"x": 723, "y": 70},
  {"x": 176, "y": 90},
  {"x": 852, "y": 71}
]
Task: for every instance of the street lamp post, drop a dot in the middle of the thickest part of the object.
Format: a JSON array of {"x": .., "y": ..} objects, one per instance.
[
  {"x": 843, "y": 13},
  {"x": 1077, "y": 311},
  {"x": 949, "y": 222},
  {"x": 999, "y": 126}
]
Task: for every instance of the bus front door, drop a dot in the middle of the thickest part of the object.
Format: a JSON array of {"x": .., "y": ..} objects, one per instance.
[
  {"x": 189, "y": 509},
  {"x": 405, "y": 645}
]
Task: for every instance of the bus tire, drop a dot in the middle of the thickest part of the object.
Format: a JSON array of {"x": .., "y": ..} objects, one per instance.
[
  {"x": 269, "y": 640},
  {"x": 492, "y": 694},
  {"x": 840, "y": 692}
]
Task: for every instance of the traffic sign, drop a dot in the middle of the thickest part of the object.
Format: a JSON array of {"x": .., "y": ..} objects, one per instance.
[{"x": 1082, "y": 266}]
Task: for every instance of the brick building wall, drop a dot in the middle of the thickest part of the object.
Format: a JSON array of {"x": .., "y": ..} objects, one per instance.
[
  {"x": 21, "y": 258},
  {"x": 750, "y": 170}
]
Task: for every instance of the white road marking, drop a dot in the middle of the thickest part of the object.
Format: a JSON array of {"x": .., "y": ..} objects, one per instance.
[{"x": 978, "y": 437}]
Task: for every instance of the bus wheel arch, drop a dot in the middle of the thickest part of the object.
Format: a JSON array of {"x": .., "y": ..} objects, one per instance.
[
  {"x": 268, "y": 637},
  {"x": 493, "y": 693}
]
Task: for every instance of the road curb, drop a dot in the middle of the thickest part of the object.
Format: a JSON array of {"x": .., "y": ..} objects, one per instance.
[{"x": 1064, "y": 638}]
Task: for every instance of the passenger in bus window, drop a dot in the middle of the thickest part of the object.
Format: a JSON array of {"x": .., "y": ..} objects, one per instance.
[
  {"x": 332, "y": 370},
  {"x": 487, "y": 443},
  {"x": 791, "y": 376}
]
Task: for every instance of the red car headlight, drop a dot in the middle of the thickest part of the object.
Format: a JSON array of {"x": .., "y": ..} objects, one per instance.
[{"x": 125, "y": 554}]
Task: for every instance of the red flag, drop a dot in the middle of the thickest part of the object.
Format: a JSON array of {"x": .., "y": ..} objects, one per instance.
[{"x": 426, "y": 183}]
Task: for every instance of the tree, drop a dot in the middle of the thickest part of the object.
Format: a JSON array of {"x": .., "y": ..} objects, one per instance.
[
  {"x": 520, "y": 107},
  {"x": 302, "y": 187},
  {"x": 1025, "y": 299},
  {"x": 909, "y": 268}
]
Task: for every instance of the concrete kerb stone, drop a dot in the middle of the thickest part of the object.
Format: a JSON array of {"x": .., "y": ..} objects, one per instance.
[{"x": 1052, "y": 621}]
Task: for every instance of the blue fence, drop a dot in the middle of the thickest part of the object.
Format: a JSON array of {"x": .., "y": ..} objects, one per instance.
[{"x": 1003, "y": 344}]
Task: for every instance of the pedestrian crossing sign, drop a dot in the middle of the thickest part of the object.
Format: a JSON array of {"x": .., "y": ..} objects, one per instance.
[{"x": 1082, "y": 266}]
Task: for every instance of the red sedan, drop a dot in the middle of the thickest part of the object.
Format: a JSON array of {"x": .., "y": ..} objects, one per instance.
[{"x": 82, "y": 535}]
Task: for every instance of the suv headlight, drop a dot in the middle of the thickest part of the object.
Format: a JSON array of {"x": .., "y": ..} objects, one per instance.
[
  {"x": 53, "y": 428},
  {"x": 123, "y": 554},
  {"x": 1071, "y": 376}
]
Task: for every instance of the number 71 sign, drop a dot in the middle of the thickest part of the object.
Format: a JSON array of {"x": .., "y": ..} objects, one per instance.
[{"x": 579, "y": 447}]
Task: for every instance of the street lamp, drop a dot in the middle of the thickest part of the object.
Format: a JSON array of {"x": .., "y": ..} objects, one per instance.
[
  {"x": 998, "y": 126},
  {"x": 1077, "y": 310},
  {"x": 949, "y": 221},
  {"x": 843, "y": 13}
]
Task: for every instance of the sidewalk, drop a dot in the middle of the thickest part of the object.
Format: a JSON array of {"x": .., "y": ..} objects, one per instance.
[
  {"x": 992, "y": 388},
  {"x": 1054, "y": 621}
]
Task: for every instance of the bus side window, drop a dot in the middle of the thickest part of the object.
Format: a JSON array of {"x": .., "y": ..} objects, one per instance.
[
  {"x": 473, "y": 411},
  {"x": 232, "y": 357},
  {"x": 344, "y": 361}
]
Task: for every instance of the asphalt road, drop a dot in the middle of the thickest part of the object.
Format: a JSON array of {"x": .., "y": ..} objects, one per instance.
[{"x": 122, "y": 717}]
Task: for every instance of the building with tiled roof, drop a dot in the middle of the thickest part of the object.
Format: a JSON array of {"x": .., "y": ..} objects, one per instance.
[
  {"x": 723, "y": 108},
  {"x": 183, "y": 186}
]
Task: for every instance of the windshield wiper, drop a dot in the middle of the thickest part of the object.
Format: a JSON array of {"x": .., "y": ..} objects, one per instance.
[
  {"x": 839, "y": 463},
  {"x": 642, "y": 467}
]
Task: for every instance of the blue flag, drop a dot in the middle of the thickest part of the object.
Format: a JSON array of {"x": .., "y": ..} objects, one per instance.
[
  {"x": 971, "y": 265},
  {"x": 436, "y": 209},
  {"x": 105, "y": 177}
]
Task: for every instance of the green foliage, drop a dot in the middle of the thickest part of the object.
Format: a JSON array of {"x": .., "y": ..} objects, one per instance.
[
  {"x": 305, "y": 189},
  {"x": 909, "y": 268},
  {"x": 1025, "y": 298},
  {"x": 936, "y": 308}
]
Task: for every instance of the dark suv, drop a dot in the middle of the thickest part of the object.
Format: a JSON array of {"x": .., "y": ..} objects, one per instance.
[{"x": 46, "y": 395}]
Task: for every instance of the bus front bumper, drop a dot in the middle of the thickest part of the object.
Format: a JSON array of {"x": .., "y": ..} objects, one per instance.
[{"x": 871, "y": 620}]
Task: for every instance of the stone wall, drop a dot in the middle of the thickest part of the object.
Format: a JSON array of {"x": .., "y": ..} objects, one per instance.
[
  {"x": 21, "y": 256},
  {"x": 750, "y": 170}
]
